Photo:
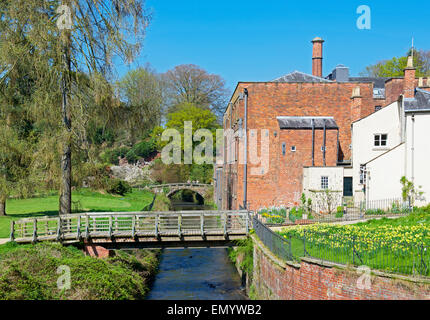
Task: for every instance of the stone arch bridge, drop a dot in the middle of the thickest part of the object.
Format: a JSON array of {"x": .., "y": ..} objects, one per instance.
[{"x": 205, "y": 190}]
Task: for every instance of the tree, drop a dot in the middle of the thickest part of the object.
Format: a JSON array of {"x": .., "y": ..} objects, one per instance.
[
  {"x": 395, "y": 67},
  {"x": 409, "y": 191},
  {"x": 327, "y": 200},
  {"x": 15, "y": 166},
  {"x": 201, "y": 119},
  {"x": 141, "y": 91},
  {"x": 96, "y": 32},
  {"x": 192, "y": 84}
]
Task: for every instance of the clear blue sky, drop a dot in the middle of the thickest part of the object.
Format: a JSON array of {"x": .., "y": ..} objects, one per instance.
[{"x": 262, "y": 40}]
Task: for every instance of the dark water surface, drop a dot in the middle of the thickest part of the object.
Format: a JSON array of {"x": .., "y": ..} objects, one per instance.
[{"x": 196, "y": 274}]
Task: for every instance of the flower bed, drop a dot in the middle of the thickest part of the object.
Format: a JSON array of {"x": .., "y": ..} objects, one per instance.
[{"x": 386, "y": 245}]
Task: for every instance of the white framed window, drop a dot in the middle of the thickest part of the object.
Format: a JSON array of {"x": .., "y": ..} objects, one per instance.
[
  {"x": 284, "y": 148},
  {"x": 293, "y": 148},
  {"x": 380, "y": 140},
  {"x": 324, "y": 182}
]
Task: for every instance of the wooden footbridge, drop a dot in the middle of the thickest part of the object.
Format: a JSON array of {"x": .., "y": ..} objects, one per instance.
[{"x": 124, "y": 230}]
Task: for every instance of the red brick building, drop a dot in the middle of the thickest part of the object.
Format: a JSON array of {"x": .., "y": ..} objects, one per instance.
[{"x": 308, "y": 119}]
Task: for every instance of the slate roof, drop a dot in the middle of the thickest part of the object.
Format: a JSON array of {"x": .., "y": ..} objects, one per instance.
[
  {"x": 421, "y": 102},
  {"x": 306, "y": 122},
  {"x": 297, "y": 76},
  {"x": 378, "y": 82}
]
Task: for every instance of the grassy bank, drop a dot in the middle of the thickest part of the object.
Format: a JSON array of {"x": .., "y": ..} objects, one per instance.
[
  {"x": 30, "y": 272},
  {"x": 83, "y": 201}
]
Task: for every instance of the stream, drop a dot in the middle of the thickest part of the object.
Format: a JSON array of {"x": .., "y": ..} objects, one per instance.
[{"x": 196, "y": 274}]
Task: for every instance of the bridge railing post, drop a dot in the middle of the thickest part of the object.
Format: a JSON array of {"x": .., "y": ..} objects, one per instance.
[
  {"x": 34, "y": 230},
  {"x": 78, "y": 228},
  {"x": 110, "y": 226},
  {"x": 12, "y": 231},
  {"x": 58, "y": 228},
  {"x": 179, "y": 225},
  {"x": 202, "y": 224},
  {"x": 87, "y": 228},
  {"x": 157, "y": 234},
  {"x": 133, "y": 226}
]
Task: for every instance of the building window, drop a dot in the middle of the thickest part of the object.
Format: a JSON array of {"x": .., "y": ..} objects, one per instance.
[
  {"x": 324, "y": 182},
  {"x": 380, "y": 140},
  {"x": 284, "y": 148},
  {"x": 362, "y": 174},
  {"x": 293, "y": 148},
  {"x": 377, "y": 108},
  {"x": 322, "y": 148}
]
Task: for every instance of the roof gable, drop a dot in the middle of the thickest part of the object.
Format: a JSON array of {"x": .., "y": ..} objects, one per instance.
[{"x": 421, "y": 102}]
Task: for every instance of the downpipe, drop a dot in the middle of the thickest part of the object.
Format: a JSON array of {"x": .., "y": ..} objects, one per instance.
[{"x": 245, "y": 162}]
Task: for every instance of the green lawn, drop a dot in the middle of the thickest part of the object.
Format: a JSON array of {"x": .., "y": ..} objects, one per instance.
[{"x": 83, "y": 201}]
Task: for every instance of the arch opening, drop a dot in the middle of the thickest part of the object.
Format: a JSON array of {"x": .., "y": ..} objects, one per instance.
[{"x": 186, "y": 196}]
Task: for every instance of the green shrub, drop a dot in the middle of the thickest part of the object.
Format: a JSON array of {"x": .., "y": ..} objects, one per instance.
[
  {"x": 161, "y": 203},
  {"x": 142, "y": 149},
  {"x": 111, "y": 156},
  {"x": 339, "y": 209},
  {"x": 29, "y": 272},
  {"x": 119, "y": 187},
  {"x": 295, "y": 214},
  {"x": 246, "y": 250},
  {"x": 339, "y": 214},
  {"x": 375, "y": 212}
]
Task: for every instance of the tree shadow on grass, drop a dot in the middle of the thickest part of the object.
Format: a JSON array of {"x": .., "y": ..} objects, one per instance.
[{"x": 53, "y": 213}]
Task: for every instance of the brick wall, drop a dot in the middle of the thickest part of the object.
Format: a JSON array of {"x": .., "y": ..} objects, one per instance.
[
  {"x": 311, "y": 280},
  {"x": 266, "y": 102}
]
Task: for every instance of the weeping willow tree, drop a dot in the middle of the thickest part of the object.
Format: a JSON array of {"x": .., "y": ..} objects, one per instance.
[{"x": 70, "y": 48}]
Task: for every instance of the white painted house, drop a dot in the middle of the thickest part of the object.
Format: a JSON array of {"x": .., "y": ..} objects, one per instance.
[{"x": 391, "y": 143}]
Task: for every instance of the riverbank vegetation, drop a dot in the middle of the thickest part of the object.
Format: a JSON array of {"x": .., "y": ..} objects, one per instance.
[
  {"x": 243, "y": 255},
  {"x": 30, "y": 272}
]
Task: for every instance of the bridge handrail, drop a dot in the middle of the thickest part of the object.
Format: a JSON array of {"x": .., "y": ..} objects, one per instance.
[
  {"x": 106, "y": 224},
  {"x": 179, "y": 185}
]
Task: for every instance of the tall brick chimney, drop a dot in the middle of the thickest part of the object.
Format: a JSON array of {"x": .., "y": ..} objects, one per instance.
[
  {"x": 317, "y": 56},
  {"x": 409, "y": 81},
  {"x": 356, "y": 100}
]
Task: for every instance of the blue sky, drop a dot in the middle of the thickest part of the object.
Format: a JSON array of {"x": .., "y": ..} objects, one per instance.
[{"x": 262, "y": 40}]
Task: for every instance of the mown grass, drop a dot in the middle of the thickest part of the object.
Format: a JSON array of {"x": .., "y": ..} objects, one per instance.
[
  {"x": 83, "y": 200},
  {"x": 399, "y": 245},
  {"x": 30, "y": 272}
]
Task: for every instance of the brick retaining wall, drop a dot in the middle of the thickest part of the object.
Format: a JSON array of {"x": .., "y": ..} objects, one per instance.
[{"x": 313, "y": 280}]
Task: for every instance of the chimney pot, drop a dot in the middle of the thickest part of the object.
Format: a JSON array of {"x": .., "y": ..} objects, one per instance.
[
  {"x": 410, "y": 62},
  {"x": 356, "y": 93}
]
